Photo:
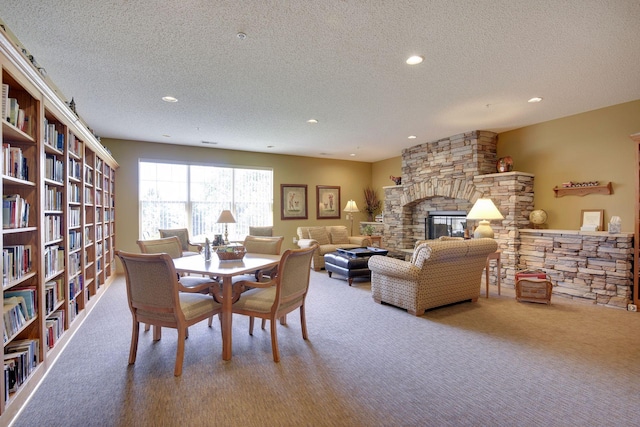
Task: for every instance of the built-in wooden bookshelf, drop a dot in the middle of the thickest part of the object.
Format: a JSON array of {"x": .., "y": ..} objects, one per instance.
[{"x": 58, "y": 226}]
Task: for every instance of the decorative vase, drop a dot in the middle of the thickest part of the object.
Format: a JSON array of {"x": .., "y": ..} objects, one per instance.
[{"x": 504, "y": 164}]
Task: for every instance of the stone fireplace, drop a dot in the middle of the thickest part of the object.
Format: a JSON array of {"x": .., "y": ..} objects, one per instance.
[{"x": 450, "y": 175}]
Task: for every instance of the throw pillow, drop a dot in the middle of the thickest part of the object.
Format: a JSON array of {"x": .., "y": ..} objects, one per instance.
[
  {"x": 339, "y": 236},
  {"x": 320, "y": 235}
]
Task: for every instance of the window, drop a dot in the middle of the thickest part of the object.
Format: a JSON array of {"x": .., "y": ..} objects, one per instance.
[{"x": 180, "y": 195}]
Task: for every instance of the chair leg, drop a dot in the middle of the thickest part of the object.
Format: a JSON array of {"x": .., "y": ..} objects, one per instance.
[
  {"x": 147, "y": 327},
  {"x": 157, "y": 333},
  {"x": 133, "y": 350},
  {"x": 264, "y": 323},
  {"x": 180, "y": 351},
  {"x": 251, "y": 325},
  {"x": 274, "y": 341},
  {"x": 303, "y": 323}
]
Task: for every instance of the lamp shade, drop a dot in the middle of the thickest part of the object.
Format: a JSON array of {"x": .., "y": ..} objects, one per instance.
[
  {"x": 351, "y": 206},
  {"x": 226, "y": 217},
  {"x": 484, "y": 209}
]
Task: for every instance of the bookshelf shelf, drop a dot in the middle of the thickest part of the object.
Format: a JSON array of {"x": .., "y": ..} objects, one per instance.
[
  {"x": 583, "y": 191},
  {"x": 51, "y": 268}
]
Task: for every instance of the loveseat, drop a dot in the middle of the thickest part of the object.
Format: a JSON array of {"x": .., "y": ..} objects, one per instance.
[
  {"x": 441, "y": 272},
  {"x": 328, "y": 239}
]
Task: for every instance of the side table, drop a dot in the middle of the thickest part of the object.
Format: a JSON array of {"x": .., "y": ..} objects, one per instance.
[
  {"x": 496, "y": 256},
  {"x": 375, "y": 239}
]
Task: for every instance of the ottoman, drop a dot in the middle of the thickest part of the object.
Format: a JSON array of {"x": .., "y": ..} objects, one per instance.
[{"x": 348, "y": 267}]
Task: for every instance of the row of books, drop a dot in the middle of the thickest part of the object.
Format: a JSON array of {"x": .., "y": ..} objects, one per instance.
[
  {"x": 14, "y": 163},
  {"x": 19, "y": 306},
  {"x": 20, "y": 359},
  {"x": 15, "y": 211},
  {"x": 54, "y": 327},
  {"x": 52, "y": 137},
  {"x": 75, "y": 145},
  {"x": 16, "y": 262},
  {"x": 52, "y": 198},
  {"x": 53, "y": 260},
  {"x": 53, "y": 168},
  {"x": 53, "y": 294},
  {"x": 52, "y": 228},
  {"x": 11, "y": 111},
  {"x": 75, "y": 169},
  {"x": 75, "y": 239}
]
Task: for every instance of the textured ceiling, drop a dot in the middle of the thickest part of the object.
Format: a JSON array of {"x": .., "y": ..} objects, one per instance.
[{"x": 338, "y": 61}]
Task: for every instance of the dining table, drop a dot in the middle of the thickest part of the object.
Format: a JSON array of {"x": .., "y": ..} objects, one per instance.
[{"x": 225, "y": 270}]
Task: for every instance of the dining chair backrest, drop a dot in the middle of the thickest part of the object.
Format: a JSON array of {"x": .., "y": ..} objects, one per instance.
[
  {"x": 263, "y": 244},
  {"x": 169, "y": 245},
  {"x": 293, "y": 275},
  {"x": 181, "y": 233},
  {"x": 152, "y": 287}
]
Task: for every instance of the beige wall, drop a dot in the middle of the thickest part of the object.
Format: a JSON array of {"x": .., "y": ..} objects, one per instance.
[
  {"x": 593, "y": 146},
  {"x": 585, "y": 147},
  {"x": 350, "y": 176}
]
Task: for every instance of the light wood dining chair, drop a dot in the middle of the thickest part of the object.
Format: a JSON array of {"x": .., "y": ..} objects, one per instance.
[
  {"x": 156, "y": 297},
  {"x": 281, "y": 295},
  {"x": 188, "y": 248},
  {"x": 171, "y": 246}
]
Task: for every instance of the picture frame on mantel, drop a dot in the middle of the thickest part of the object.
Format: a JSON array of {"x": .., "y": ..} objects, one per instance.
[
  {"x": 293, "y": 201},
  {"x": 592, "y": 217},
  {"x": 328, "y": 202}
]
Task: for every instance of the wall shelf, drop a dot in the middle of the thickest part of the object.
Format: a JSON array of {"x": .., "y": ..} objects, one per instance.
[{"x": 583, "y": 191}]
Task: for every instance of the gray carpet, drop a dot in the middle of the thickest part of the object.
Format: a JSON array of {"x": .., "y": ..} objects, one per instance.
[{"x": 493, "y": 363}]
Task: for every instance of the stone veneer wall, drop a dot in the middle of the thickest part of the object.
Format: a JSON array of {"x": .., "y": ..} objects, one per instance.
[
  {"x": 451, "y": 174},
  {"x": 589, "y": 265}
]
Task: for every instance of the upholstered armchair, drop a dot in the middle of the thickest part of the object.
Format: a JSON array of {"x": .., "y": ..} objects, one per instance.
[
  {"x": 440, "y": 272},
  {"x": 188, "y": 248}
]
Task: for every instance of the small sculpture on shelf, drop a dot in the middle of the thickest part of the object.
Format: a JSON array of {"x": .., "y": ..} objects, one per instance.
[{"x": 396, "y": 179}]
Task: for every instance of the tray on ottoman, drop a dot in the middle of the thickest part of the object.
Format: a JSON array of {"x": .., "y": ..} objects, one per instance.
[{"x": 362, "y": 252}]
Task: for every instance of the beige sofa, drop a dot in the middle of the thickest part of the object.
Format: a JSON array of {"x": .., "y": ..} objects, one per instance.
[
  {"x": 328, "y": 239},
  {"x": 440, "y": 272}
]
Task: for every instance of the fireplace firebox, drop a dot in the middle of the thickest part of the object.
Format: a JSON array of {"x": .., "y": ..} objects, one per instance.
[{"x": 445, "y": 223}]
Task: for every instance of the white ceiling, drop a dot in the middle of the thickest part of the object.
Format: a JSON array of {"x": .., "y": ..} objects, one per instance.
[{"x": 341, "y": 62}]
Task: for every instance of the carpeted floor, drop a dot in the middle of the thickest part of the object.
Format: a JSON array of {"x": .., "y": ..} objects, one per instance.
[{"x": 492, "y": 363}]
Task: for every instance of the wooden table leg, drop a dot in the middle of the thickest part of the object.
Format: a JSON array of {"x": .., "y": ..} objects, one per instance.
[
  {"x": 496, "y": 255},
  {"x": 226, "y": 317}
]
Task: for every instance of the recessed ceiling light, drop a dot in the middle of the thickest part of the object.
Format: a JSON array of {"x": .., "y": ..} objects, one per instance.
[
  {"x": 412, "y": 137},
  {"x": 312, "y": 121},
  {"x": 166, "y": 136},
  {"x": 414, "y": 60},
  {"x": 209, "y": 142},
  {"x": 241, "y": 35},
  {"x": 352, "y": 154},
  {"x": 270, "y": 146},
  {"x": 535, "y": 99},
  {"x": 169, "y": 99}
]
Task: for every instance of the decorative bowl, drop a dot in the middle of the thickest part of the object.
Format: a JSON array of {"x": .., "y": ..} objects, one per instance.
[{"x": 230, "y": 253}]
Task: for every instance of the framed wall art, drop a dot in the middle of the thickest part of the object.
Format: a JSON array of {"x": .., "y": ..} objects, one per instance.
[
  {"x": 592, "y": 218},
  {"x": 328, "y": 199},
  {"x": 293, "y": 201}
]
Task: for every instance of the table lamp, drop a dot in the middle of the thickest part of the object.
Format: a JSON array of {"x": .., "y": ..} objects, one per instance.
[
  {"x": 350, "y": 209},
  {"x": 226, "y": 217},
  {"x": 484, "y": 210}
]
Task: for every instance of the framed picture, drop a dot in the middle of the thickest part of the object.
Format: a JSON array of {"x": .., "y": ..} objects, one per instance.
[
  {"x": 293, "y": 201},
  {"x": 328, "y": 199},
  {"x": 592, "y": 217}
]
